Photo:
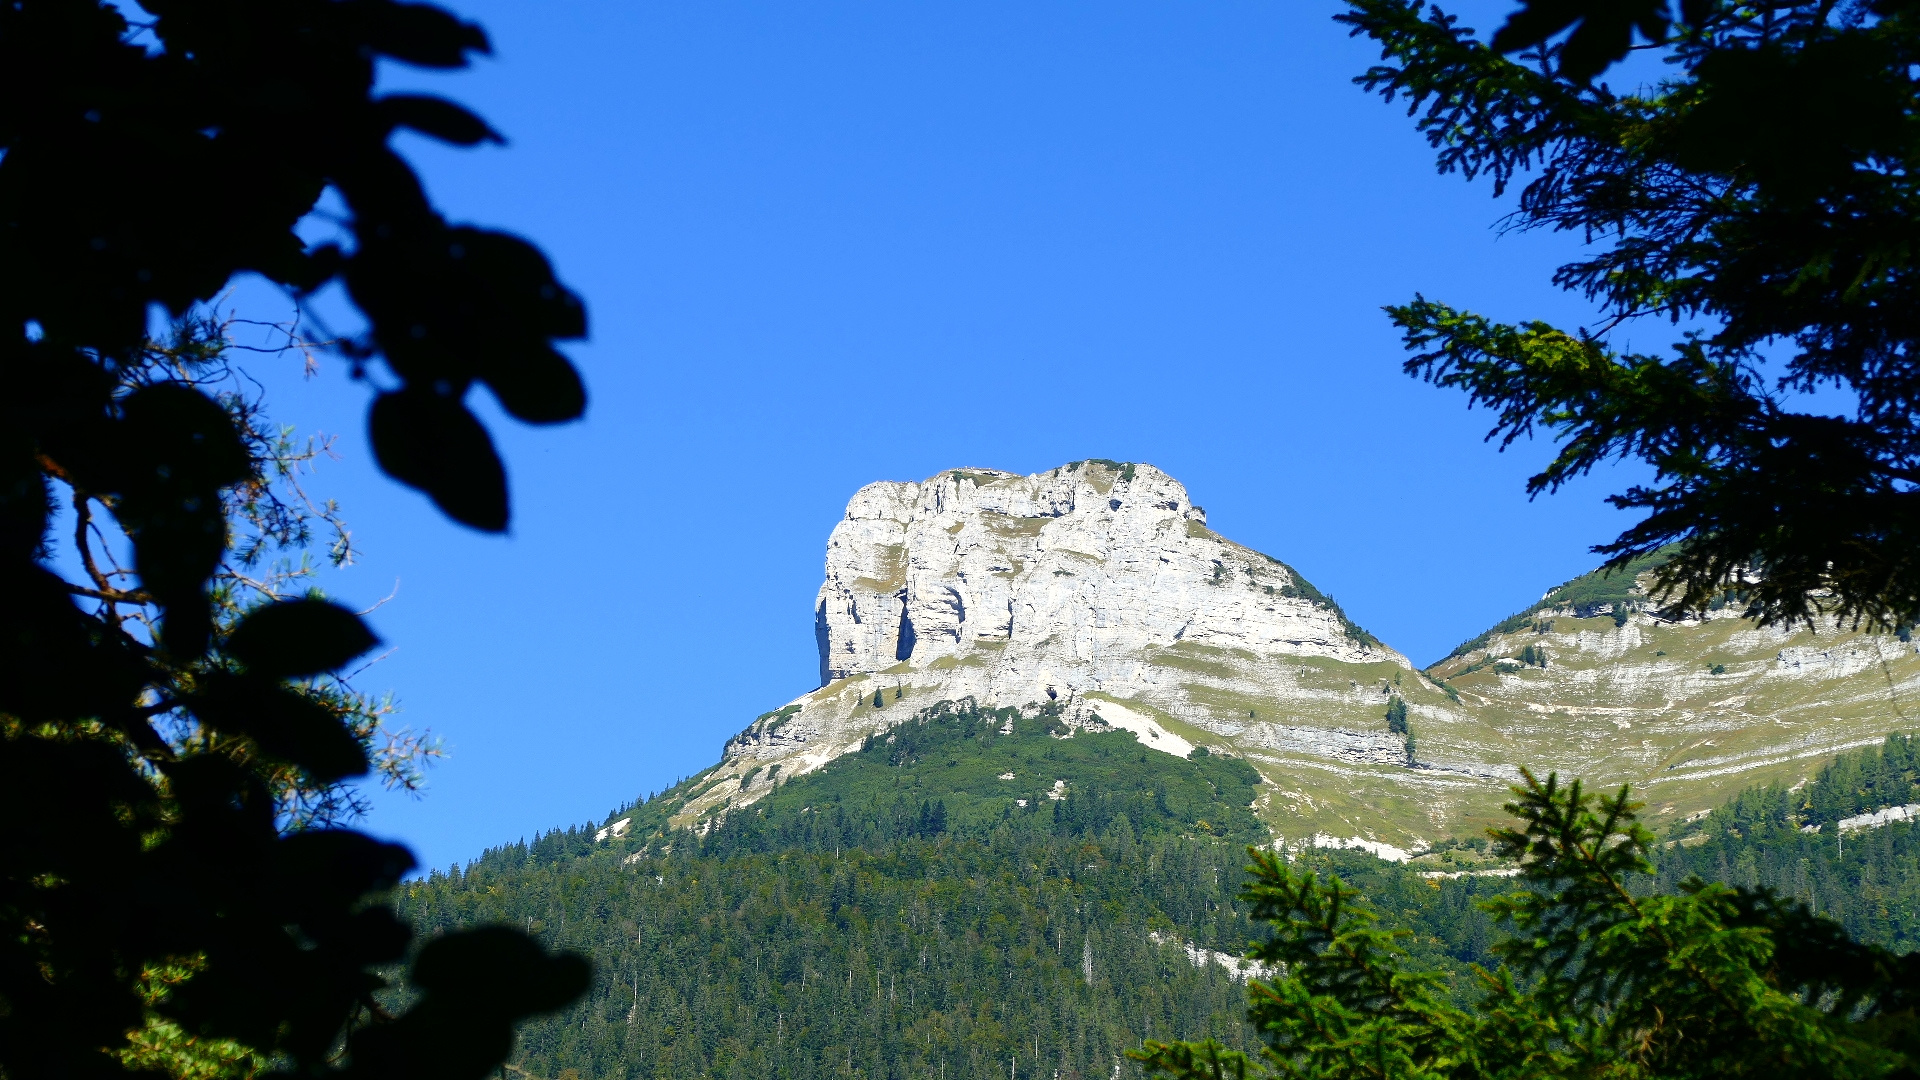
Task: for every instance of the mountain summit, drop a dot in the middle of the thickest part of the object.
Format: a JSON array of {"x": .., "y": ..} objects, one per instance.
[
  {"x": 1095, "y": 589},
  {"x": 1069, "y": 582},
  {"x": 1095, "y": 592}
]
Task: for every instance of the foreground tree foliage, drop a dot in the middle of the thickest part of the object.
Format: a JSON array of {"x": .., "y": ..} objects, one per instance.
[
  {"x": 1600, "y": 978},
  {"x": 1758, "y": 194},
  {"x": 174, "y": 890}
]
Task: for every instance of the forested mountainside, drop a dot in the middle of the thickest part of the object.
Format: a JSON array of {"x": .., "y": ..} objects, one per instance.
[
  {"x": 899, "y": 914},
  {"x": 1831, "y": 842},
  {"x": 910, "y": 957}
]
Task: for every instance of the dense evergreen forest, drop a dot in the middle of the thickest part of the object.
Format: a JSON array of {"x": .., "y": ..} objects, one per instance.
[
  {"x": 900, "y": 914},
  {"x": 1868, "y": 880}
]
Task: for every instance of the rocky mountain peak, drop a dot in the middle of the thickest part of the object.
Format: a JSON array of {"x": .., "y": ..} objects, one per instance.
[
  {"x": 1058, "y": 580},
  {"x": 1094, "y": 590},
  {"x": 1097, "y": 593}
]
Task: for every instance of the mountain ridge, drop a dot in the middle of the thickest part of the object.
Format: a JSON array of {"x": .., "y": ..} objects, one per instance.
[{"x": 1097, "y": 591}]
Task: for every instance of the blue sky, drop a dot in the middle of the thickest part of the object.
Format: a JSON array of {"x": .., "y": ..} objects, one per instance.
[{"x": 828, "y": 244}]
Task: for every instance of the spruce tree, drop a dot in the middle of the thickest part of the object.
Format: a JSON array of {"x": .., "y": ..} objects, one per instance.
[
  {"x": 1754, "y": 186},
  {"x": 1600, "y": 975}
]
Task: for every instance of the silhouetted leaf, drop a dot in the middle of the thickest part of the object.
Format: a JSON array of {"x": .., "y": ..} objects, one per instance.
[
  {"x": 286, "y": 725},
  {"x": 334, "y": 867},
  {"x": 538, "y": 386},
  {"x": 185, "y": 439},
  {"x": 179, "y": 449},
  {"x": 430, "y": 441},
  {"x": 420, "y": 34},
  {"x": 476, "y": 984},
  {"x": 437, "y": 117},
  {"x": 1602, "y": 36},
  {"x": 144, "y": 167},
  {"x": 224, "y": 812},
  {"x": 296, "y": 638},
  {"x": 55, "y": 662},
  {"x": 1538, "y": 20},
  {"x": 1695, "y": 13},
  {"x": 516, "y": 276},
  {"x": 525, "y": 979}
]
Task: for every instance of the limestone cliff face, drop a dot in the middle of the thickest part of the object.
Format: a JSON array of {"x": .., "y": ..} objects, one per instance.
[{"x": 1065, "y": 580}]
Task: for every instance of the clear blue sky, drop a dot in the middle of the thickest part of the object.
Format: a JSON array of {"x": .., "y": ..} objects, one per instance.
[{"x": 833, "y": 243}]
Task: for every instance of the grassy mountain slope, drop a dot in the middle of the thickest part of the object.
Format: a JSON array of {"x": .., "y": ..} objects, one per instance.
[
  {"x": 1362, "y": 785},
  {"x": 1689, "y": 711},
  {"x": 981, "y": 767},
  {"x": 1592, "y": 682}
]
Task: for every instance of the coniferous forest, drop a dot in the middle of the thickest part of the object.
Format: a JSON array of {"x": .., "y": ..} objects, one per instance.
[
  {"x": 892, "y": 915},
  {"x": 884, "y": 917}
]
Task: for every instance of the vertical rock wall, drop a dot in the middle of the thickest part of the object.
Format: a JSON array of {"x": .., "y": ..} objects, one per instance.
[{"x": 1066, "y": 574}]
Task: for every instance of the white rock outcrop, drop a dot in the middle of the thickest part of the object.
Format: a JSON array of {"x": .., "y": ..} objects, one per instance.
[
  {"x": 1067, "y": 578},
  {"x": 1880, "y": 817}
]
